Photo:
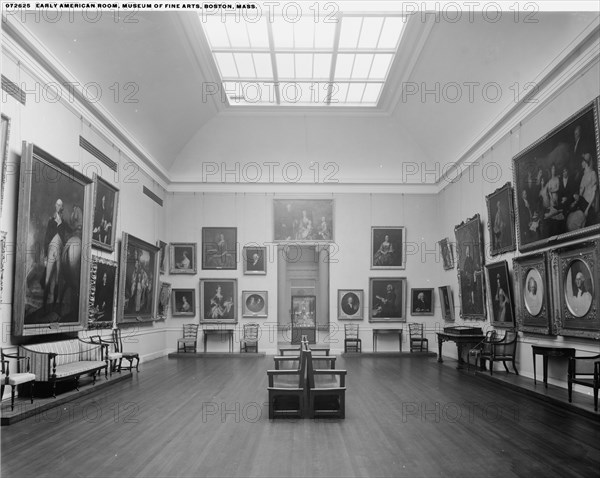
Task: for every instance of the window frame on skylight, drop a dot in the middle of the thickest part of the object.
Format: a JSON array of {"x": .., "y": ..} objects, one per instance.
[{"x": 358, "y": 79}]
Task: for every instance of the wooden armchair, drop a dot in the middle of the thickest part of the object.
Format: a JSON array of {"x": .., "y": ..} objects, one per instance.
[
  {"x": 16, "y": 378},
  {"x": 189, "y": 339},
  {"x": 287, "y": 392},
  {"x": 326, "y": 391},
  {"x": 352, "y": 343},
  {"x": 585, "y": 371},
  {"x": 129, "y": 356},
  {"x": 503, "y": 350},
  {"x": 250, "y": 338},
  {"x": 417, "y": 339}
]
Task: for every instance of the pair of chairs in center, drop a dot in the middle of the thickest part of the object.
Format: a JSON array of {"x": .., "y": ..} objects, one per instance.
[{"x": 307, "y": 391}]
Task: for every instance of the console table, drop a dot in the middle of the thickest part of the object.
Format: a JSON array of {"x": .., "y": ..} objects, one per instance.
[
  {"x": 549, "y": 351},
  {"x": 376, "y": 332},
  {"x": 460, "y": 340},
  {"x": 228, "y": 332}
]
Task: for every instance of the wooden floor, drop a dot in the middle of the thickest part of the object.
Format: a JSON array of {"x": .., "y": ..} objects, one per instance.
[{"x": 208, "y": 417}]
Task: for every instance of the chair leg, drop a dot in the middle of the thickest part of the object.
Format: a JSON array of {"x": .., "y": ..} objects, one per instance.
[
  {"x": 32, "y": 385},
  {"x": 504, "y": 363},
  {"x": 12, "y": 397},
  {"x": 515, "y": 367}
]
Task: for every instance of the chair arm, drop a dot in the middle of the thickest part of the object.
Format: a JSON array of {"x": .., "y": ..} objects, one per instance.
[
  {"x": 325, "y": 371},
  {"x": 273, "y": 373},
  {"x": 17, "y": 357}
]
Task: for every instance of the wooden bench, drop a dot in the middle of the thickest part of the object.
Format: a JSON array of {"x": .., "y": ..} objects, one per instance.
[{"x": 65, "y": 360}]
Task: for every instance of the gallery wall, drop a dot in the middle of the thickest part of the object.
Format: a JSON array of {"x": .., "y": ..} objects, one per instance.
[
  {"x": 55, "y": 122},
  {"x": 350, "y": 255},
  {"x": 464, "y": 196}
]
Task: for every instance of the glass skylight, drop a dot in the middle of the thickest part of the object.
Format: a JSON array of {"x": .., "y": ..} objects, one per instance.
[{"x": 338, "y": 60}]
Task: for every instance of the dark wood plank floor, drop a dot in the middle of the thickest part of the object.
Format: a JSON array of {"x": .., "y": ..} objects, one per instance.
[{"x": 208, "y": 417}]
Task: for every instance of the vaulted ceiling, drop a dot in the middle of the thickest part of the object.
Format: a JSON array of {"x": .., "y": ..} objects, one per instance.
[{"x": 449, "y": 84}]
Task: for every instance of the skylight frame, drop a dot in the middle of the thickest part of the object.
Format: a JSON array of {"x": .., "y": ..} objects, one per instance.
[{"x": 325, "y": 98}]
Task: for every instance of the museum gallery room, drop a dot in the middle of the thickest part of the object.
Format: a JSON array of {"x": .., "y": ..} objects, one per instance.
[{"x": 295, "y": 239}]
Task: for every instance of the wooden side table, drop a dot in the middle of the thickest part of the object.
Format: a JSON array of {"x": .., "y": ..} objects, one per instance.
[{"x": 548, "y": 351}]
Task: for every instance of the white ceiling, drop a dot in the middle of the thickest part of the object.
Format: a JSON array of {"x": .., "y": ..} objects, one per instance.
[{"x": 163, "y": 55}]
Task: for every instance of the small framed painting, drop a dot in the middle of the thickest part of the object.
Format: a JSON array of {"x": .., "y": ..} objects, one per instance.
[
  {"x": 447, "y": 302},
  {"x": 255, "y": 260},
  {"x": 350, "y": 304},
  {"x": 421, "y": 301},
  {"x": 183, "y": 303},
  {"x": 106, "y": 202},
  {"x": 183, "y": 258},
  {"x": 219, "y": 248},
  {"x": 387, "y": 248},
  {"x": 254, "y": 303},
  {"x": 447, "y": 253},
  {"x": 501, "y": 222}
]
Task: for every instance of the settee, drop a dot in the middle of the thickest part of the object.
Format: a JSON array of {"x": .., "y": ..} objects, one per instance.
[{"x": 52, "y": 362}]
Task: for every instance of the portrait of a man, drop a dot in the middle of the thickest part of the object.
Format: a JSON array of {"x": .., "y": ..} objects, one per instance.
[
  {"x": 579, "y": 288},
  {"x": 102, "y": 292},
  {"x": 470, "y": 268},
  {"x": 387, "y": 299},
  {"x": 106, "y": 199},
  {"x": 421, "y": 302},
  {"x": 350, "y": 304},
  {"x": 255, "y": 260}
]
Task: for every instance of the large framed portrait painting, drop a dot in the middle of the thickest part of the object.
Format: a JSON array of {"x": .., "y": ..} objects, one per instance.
[
  {"x": 500, "y": 296},
  {"x": 470, "y": 268},
  {"x": 106, "y": 202},
  {"x": 387, "y": 248},
  {"x": 387, "y": 299},
  {"x": 219, "y": 248},
  {"x": 138, "y": 282},
  {"x": 52, "y": 267},
  {"x": 556, "y": 180},
  {"x": 533, "y": 294},
  {"x": 218, "y": 301},
  {"x": 301, "y": 220},
  {"x": 501, "y": 220},
  {"x": 103, "y": 290},
  {"x": 579, "y": 291}
]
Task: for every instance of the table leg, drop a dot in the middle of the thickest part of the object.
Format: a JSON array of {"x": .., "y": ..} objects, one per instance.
[
  {"x": 440, "y": 350},
  {"x": 205, "y": 337},
  {"x": 400, "y": 339},
  {"x": 545, "y": 371},
  {"x": 374, "y": 342},
  {"x": 534, "y": 368}
]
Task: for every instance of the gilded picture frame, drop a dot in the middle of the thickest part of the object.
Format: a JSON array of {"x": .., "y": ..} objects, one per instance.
[
  {"x": 103, "y": 292},
  {"x": 387, "y": 299},
  {"x": 499, "y": 295},
  {"x": 421, "y": 301},
  {"x": 52, "y": 264},
  {"x": 534, "y": 294},
  {"x": 182, "y": 258},
  {"x": 218, "y": 301},
  {"x": 255, "y": 303},
  {"x": 553, "y": 183},
  {"x": 138, "y": 281},
  {"x": 106, "y": 206},
  {"x": 350, "y": 304},
  {"x": 471, "y": 281},
  {"x": 501, "y": 220},
  {"x": 577, "y": 280},
  {"x": 388, "y": 250},
  {"x": 183, "y": 303},
  {"x": 446, "y": 302},
  {"x": 303, "y": 220}
]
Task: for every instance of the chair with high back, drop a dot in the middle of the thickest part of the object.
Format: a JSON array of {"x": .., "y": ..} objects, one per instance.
[
  {"x": 249, "y": 340},
  {"x": 326, "y": 391},
  {"x": 112, "y": 353},
  {"x": 503, "y": 350},
  {"x": 352, "y": 342},
  {"x": 417, "y": 339},
  {"x": 584, "y": 371},
  {"x": 189, "y": 339},
  {"x": 129, "y": 356},
  {"x": 16, "y": 378},
  {"x": 287, "y": 391}
]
